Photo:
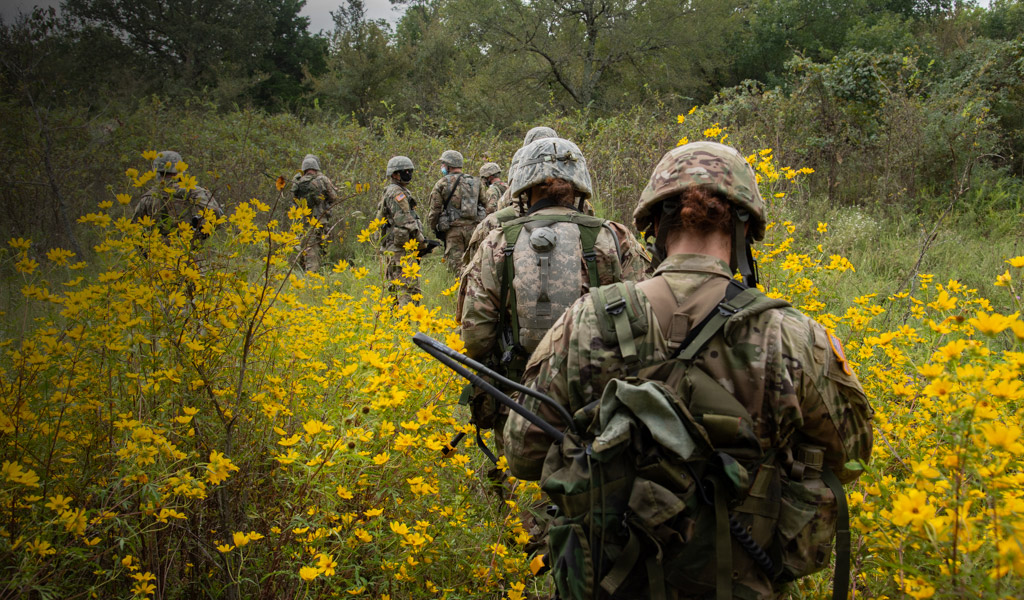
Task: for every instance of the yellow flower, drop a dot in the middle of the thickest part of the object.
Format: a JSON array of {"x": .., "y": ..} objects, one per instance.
[
  {"x": 381, "y": 458},
  {"x": 990, "y": 324},
  {"x": 680, "y": 119},
  {"x": 326, "y": 564},
  {"x": 220, "y": 468},
  {"x": 822, "y": 227},
  {"x": 290, "y": 441},
  {"x": 314, "y": 427},
  {"x": 308, "y": 573},
  {"x": 1004, "y": 279},
  {"x": 373, "y": 512},
  {"x": 911, "y": 508},
  {"x": 363, "y": 536},
  {"x": 399, "y": 527},
  {"x": 239, "y": 538},
  {"x": 1017, "y": 261},
  {"x": 59, "y": 503},
  {"x": 1003, "y": 436}
]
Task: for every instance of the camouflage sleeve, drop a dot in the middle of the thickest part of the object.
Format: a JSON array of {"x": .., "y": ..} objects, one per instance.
[
  {"x": 548, "y": 372},
  {"x": 833, "y": 409},
  {"x": 491, "y": 199},
  {"x": 330, "y": 192},
  {"x": 146, "y": 207},
  {"x": 636, "y": 263},
  {"x": 404, "y": 223},
  {"x": 295, "y": 183},
  {"x": 479, "y": 301},
  {"x": 435, "y": 201}
]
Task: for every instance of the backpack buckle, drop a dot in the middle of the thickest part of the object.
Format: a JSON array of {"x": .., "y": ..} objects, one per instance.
[
  {"x": 590, "y": 256},
  {"x": 727, "y": 310},
  {"x": 616, "y": 307}
]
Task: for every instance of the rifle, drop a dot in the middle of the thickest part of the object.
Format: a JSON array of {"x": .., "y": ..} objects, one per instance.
[
  {"x": 455, "y": 361},
  {"x": 430, "y": 245}
]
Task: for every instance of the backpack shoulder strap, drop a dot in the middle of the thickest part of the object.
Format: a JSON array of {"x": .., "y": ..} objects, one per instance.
[{"x": 508, "y": 316}]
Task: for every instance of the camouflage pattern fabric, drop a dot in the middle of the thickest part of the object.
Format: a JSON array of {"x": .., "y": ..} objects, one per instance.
[
  {"x": 718, "y": 167},
  {"x": 316, "y": 192},
  {"x": 397, "y": 207},
  {"x": 493, "y": 194},
  {"x": 168, "y": 204},
  {"x": 479, "y": 304},
  {"x": 455, "y": 246},
  {"x": 466, "y": 206},
  {"x": 784, "y": 368}
]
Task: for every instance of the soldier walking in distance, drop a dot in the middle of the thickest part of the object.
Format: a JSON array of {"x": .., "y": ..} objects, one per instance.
[
  {"x": 314, "y": 190},
  {"x": 494, "y": 186},
  {"x": 457, "y": 204},
  {"x": 175, "y": 198},
  {"x": 397, "y": 207},
  {"x": 742, "y": 495}
]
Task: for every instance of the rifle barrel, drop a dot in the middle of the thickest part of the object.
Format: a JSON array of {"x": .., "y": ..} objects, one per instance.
[{"x": 452, "y": 360}]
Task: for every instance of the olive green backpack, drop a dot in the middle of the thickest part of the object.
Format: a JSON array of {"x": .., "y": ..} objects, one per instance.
[{"x": 670, "y": 471}]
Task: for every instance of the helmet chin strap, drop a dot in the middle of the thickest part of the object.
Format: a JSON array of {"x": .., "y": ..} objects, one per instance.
[
  {"x": 742, "y": 255},
  {"x": 669, "y": 215}
]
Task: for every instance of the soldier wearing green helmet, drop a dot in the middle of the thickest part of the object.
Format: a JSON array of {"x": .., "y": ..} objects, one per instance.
[
  {"x": 754, "y": 373},
  {"x": 397, "y": 208},
  {"x": 176, "y": 198},
  {"x": 494, "y": 186},
  {"x": 313, "y": 189},
  {"x": 457, "y": 203}
]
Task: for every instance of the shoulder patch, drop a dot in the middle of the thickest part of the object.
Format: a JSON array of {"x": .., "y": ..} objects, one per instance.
[
  {"x": 837, "y": 350},
  {"x": 400, "y": 196}
]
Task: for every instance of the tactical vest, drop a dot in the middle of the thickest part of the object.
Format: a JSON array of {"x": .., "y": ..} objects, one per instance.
[
  {"x": 670, "y": 471},
  {"x": 540, "y": 276}
]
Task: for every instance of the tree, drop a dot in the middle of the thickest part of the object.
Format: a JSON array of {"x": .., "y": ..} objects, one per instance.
[{"x": 577, "y": 44}]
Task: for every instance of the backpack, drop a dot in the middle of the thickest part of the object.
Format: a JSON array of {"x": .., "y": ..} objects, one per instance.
[
  {"x": 669, "y": 470},
  {"x": 466, "y": 206},
  {"x": 540, "y": 277}
]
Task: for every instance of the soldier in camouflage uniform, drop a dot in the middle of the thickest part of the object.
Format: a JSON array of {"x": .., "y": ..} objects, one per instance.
[
  {"x": 556, "y": 254},
  {"x": 786, "y": 370},
  {"x": 491, "y": 221},
  {"x": 397, "y": 208},
  {"x": 315, "y": 190},
  {"x": 173, "y": 200},
  {"x": 457, "y": 204},
  {"x": 495, "y": 187}
]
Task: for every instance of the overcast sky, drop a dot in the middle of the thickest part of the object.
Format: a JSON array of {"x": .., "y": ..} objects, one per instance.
[{"x": 318, "y": 11}]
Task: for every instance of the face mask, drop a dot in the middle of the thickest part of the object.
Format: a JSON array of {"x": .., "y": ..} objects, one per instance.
[
  {"x": 405, "y": 176},
  {"x": 444, "y": 171}
]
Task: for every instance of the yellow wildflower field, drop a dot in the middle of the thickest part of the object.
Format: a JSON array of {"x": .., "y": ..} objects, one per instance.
[{"x": 187, "y": 417}]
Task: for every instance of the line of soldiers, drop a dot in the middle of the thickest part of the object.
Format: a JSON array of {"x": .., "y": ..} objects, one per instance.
[{"x": 565, "y": 302}]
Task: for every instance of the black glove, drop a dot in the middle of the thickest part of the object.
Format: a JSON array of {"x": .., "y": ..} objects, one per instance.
[{"x": 427, "y": 246}]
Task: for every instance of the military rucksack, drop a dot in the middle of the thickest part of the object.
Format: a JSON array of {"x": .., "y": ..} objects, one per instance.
[
  {"x": 540, "y": 277},
  {"x": 670, "y": 471},
  {"x": 465, "y": 190}
]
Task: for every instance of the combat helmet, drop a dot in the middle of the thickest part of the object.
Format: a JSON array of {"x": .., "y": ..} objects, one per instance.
[
  {"x": 452, "y": 158},
  {"x": 552, "y": 157},
  {"x": 720, "y": 169},
  {"x": 310, "y": 162},
  {"x": 716, "y": 166},
  {"x": 538, "y": 133},
  {"x": 489, "y": 169},
  {"x": 166, "y": 162},
  {"x": 398, "y": 163}
]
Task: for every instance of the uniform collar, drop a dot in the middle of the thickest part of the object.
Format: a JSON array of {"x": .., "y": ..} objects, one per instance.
[{"x": 694, "y": 263}]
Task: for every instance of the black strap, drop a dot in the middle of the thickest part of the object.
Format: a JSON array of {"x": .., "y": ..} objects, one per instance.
[
  {"x": 483, "y": 447},
  {"x": 841, "y": 578},
  {"x": 731, "y": 291}
]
